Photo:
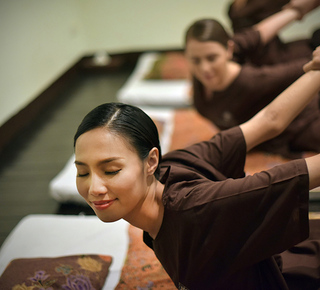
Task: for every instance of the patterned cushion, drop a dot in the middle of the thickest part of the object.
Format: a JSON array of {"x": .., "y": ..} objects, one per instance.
[
  {"x": 169, "y": 66},
  {"x": 68, "y": 272}
]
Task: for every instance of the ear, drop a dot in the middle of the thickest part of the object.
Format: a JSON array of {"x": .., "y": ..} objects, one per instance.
[
  {"x": 152, "y": 161},
  {"x": 230, "y": 49}
]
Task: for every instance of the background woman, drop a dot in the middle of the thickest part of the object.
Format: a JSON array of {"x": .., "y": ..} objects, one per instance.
[
  {"x": 229, "y": 93},
  {"x": 210, "y": 226},
  {"x": 245, "y": 14}
]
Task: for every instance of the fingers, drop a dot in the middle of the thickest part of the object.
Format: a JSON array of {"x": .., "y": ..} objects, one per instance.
[{"x": 314, "y": 64}]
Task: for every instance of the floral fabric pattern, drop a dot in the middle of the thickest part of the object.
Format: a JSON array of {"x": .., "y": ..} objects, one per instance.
[
  {"x": 79, "y": 272},
  {"x": 142, "y": 270}
]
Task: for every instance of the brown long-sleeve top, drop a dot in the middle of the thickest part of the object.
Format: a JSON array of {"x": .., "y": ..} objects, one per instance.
[{"x": 221, "y": 229}]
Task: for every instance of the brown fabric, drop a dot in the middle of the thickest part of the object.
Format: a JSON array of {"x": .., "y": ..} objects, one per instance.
[
  {"x": 249, "y": 49},
  {"x": 67, "y": 272},
  {"x": 253, "y": 12},
  {"x": 251, "y": 91},
  {"x": 275, "y": 51},
  {"x": 142, "y": 270},
  {"x": 300, "y": 264},
  {"x": 220, "y": 232}
]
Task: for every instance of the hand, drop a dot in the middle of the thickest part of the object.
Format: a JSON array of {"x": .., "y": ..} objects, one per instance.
[
  {"x": 303, "y": 6},
  {"x": 314, "y": 64}
]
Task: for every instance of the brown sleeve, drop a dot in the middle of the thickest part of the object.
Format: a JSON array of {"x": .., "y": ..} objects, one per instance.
[
  {"x": 256, "y": 216},
  {"x": 226, "y": 152},
  {"x": 256, "y": 87},
  {"x": 246, "y": 43}
]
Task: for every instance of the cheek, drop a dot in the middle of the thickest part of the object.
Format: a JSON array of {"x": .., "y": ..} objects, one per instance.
[
  {"x": 81, "y": 187},
  {"x": 221, "y": 63},
  {"x": 195, "y": 71},
  {"x": 131, "y": 179},
  {"x": 191, "y": 64},
  {"x": 192, "y": 67}
]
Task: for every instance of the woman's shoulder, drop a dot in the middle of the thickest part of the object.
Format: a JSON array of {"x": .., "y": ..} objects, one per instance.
[
  {"x": 208, "y": 159},
  {"x": 246, "y": 42},
  {"x": 200, "y": 150},
  {"x": 180, "y": 182}
]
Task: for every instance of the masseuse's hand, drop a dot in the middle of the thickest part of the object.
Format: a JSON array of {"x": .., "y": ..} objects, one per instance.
[
  {"x": 303, "y": 6},
  {"x": 314, "y": 64}
]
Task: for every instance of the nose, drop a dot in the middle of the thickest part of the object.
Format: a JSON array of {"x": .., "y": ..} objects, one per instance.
[
  {"x": 97, "y": 186},
  {"x": 204, "y": 67}
]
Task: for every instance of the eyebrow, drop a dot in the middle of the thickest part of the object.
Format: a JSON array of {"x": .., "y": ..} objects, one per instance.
[
  {"x": 207, "y": 55},
  {"x": 108, "y": 160}
]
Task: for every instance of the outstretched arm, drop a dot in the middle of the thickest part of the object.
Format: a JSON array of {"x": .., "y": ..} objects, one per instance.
[
  {"x": 275, "y": 117},
  {"x": 294, "y": 10},
  {"x": 313, "y": 163},
  {"x": 303, "y": 6},
  {"x": 270, "y": 26}
]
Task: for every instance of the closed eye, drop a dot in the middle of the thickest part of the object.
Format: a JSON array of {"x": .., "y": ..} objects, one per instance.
[
  {"x": 82, "y": 175},
  {"x": 212, "y": 58},
  {"x": 112, "y": 172}
]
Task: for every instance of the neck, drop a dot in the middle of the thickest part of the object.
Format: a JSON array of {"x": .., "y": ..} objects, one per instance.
[
  {"x": 148, "y": 216},
  {"x": 232, "y": 71}
]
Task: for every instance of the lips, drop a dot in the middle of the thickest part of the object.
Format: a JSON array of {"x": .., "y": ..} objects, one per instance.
[
  {"x": 102, "y": 204},
  {"x": 208, "y": 77}
]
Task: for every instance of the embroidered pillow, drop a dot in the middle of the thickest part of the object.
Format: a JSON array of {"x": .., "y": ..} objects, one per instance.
[
  {"x": 169, "y": 66},
  {"x": 67, "y": 272}
]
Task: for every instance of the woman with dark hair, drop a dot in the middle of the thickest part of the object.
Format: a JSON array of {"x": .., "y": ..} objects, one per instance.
[
  {"x": 229, "y": 93},
  {"x": 245, "y": 14},
  {"x": 209, "y": 225}
]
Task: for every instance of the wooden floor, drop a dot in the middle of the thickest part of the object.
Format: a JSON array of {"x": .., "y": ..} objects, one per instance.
[{"x": 40, "y": 152}]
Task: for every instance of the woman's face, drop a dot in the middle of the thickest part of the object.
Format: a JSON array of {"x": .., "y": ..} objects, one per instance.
[
  {"x": 208, "y": 62},
  {"x": 110, "y": 175}
]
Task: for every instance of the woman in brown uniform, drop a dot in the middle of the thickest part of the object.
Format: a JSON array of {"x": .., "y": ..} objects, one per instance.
[
  {"x": 247, "y": 13},
  {"x": 228, "y": 93},
  {"x": 210, "y": 226}
]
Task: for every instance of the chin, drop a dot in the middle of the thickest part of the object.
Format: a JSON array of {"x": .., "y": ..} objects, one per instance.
[
  {"x": 210, "y": 84},
  {"x": 108, "y": 219}
]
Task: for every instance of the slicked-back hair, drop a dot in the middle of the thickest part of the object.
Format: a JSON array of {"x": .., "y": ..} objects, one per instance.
[{"x": 126, "y": 121}]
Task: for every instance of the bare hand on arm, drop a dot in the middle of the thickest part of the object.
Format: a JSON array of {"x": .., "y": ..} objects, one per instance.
[{"x": 314, "y": 64}]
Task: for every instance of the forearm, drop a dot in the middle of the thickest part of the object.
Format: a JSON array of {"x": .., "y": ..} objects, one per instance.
[
  {"x": 270, "y": 26},
  {"x": 293, "y": 100},
  {"x": 274, "y": 118},
  {"x": 313, "y": 165}
]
